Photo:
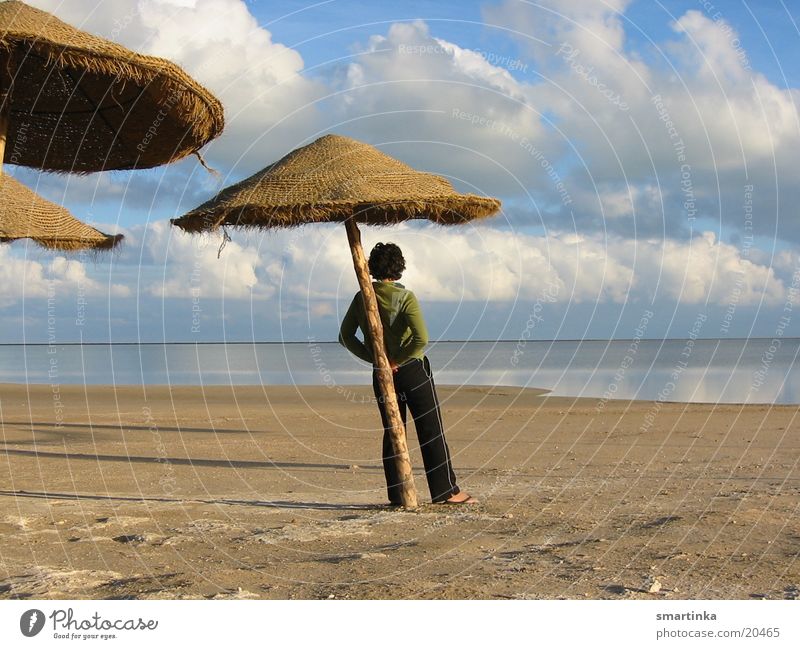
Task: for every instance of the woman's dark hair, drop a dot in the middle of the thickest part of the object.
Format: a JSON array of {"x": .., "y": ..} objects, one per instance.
[{"x": 386, "y": 261}]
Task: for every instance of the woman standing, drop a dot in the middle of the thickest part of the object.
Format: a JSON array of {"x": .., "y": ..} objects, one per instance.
[{"x": 405, "y": 337}]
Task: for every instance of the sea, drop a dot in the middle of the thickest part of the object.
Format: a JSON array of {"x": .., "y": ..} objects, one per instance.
[{"x": 755, "y": 370}]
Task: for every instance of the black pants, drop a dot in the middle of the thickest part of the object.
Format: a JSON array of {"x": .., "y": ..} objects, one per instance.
[{"x": 413, "y": 385}]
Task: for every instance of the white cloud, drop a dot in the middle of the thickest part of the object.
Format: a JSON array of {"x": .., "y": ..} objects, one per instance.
[
  {"x": 22, "y": 276},
  {"x": 701, "y": 270},
  {"x": 590, "y": 26},
  {"x": 312, "y": 265},
  {"x": 737, "y": 126},
  {"x": 294, "y": 277},
  {"x": 459, "y": 114},
  {"x": 483, "y": 264},
  {"x": 178, "y": 265}
]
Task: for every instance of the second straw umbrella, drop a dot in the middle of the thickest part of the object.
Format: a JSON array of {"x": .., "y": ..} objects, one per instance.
[{"x": 26, "y": 215}]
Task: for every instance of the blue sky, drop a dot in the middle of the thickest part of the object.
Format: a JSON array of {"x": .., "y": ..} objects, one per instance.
[
  {"x": 766, "y": 29},
  {"x": 559, "y": 108}
]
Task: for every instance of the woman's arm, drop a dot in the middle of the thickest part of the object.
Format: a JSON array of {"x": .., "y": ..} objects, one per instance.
[
  {"x": 347, "y": 332},
  {"x": 419, "y": 332}
]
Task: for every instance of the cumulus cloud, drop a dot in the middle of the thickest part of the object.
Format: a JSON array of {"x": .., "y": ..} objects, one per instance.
[
  {"x": 442, "y": 108},
  {"x": 277, "y": 284},
  {"x": 23, "y": 276},
  {"x": 596, "y": 27},
  {"x": 173, "y": 264},
  {"x": 701, "y": 271},
  {"x": 691, "y": 103},
  {"x": 487, "y": 265},
  {"x": 313, "y": 264}
]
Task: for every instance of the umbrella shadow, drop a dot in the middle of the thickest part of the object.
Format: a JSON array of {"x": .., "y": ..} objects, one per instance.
[
  {"x": 273, "y": 504},
  {"x": 48, "y": 427},
  {"x": 183, "y": 461}
]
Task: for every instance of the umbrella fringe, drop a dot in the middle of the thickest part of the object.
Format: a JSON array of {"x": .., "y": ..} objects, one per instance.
[
  {"x": 73, "y": 245},
  {"x": 445, "y": 210}
]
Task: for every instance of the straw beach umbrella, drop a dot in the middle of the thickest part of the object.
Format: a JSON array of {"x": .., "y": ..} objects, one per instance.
[
  {"x": 26, "y": 215},
  {"x": 74, "y": 102},
  {"x": 339, "y": 179}
]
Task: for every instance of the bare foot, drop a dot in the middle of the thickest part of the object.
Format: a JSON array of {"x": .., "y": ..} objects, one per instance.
[{"x": 461, "y": 498}]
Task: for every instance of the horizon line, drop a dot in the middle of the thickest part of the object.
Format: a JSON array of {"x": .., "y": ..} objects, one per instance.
[{"x": 336, "y": 342}]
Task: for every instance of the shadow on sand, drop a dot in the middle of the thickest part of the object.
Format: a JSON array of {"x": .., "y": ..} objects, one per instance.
[
  {"x": 184, "y": 461},
  {"x": 275, "y": 504},
  {"x": 48, "y": 427}
]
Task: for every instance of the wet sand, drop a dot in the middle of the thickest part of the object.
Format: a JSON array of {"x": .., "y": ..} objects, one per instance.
[{"x": 277, "y": 492}]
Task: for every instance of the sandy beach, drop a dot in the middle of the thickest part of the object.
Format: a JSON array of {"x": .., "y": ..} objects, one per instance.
[{"x": 277, "y": 492}]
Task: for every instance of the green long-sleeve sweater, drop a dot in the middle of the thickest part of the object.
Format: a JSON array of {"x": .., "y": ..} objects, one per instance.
[{"x": 404, "y": 331}]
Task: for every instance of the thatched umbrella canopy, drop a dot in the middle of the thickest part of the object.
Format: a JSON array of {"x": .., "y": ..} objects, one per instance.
[
  {"x": 74, "y": 102},
  {"x": 333, "y": 179},
  {"x": 339, "y": 179},
  {"x": 26, "y": 215}
]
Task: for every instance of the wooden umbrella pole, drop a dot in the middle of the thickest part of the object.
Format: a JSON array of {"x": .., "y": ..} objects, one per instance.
[
  {"x": 408, "y": 494},
  {"x": 6, "y": 79}
]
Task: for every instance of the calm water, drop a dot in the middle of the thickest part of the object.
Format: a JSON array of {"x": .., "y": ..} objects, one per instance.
[{"x": 734, "y": 371}]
